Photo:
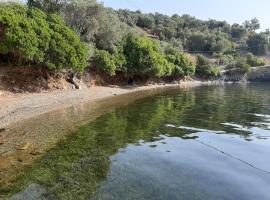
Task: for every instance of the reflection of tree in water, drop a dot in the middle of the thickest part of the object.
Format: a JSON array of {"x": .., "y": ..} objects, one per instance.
[
  {"x": 80, "y": 163},
  {"x": 225, "y": 104}
]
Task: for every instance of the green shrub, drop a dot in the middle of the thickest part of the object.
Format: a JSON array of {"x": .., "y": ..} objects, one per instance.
[
  {"x": 182, "y": 64},
  {"x": 32, "y": 36},
  {"x": 224, "y": 59},
  {"x": 241, "y": 63},
  {"x": 205, "y": 69},
  {"x": 108, "y": 63},
  {"x": 143, "y": 58},
  {"x": 253, "y": 61},
  {"x": 104, "y": 62}
]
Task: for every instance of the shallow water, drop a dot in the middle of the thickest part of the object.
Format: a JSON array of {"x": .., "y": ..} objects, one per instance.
[{"x": 206, "y": 143}]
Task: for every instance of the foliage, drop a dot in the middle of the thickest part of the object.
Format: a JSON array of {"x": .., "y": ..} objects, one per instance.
[
  {"x": 94, "y": 23},
  {"x": 143, "y": 57},
  {"x": 145, "y": 21},
  {"x": 252, "y": 25},
  {"x": 199, "y": 41},
  {"x": 30, "y": 35},
  {"x": 258, "y": 44},
  {"x": 205, "y": 69},
  {"x": 182, "y": 64},
  {"x": 49, "y": 6},
  {"x": 222, "y": 45},
  {"x": 238, "y": 31},
  {"x": 83, "y": 16},
  {"x": 108, "y": 63},
  {"x": 241, "y": 63},
  {"x": 245, "y": 62},
  {"x": 104, "y": 62},
  {"x": 196, "y": 35},
  {"x": 224, "y": 59},
  {"x": 33, "y": 36},
  {"x": 111, "y": 32},
  {"x": 253, "y": 61}
]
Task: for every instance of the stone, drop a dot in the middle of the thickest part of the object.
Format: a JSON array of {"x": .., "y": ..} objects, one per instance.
[{"x": 16, "y": 89}]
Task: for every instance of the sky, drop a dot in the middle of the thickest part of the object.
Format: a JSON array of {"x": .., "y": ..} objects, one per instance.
[{"x": 233, "y": 11}]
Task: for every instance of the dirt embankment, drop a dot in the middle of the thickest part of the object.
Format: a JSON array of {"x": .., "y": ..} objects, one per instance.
[{"x": 31, "y": 79}]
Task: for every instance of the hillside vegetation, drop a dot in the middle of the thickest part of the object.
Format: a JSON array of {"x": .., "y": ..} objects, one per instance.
[{"x": 79, "y": 34}]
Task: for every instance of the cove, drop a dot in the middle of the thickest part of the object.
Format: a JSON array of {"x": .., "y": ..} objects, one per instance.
[{"x": 205, "y": 143}]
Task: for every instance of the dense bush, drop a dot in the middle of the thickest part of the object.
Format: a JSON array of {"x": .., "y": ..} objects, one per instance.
[
  {"x": 245, "y": 62},
  {"x": 205, "y": 69},
  {"x": 241, "y": 63},
  {"x": 223, "y": 59},
  {"x": 253, "y": 61},
  {"x": 31, "y": 36},
  {"x": 104, "y": 62},
  {"x": 258, "y": 44},
  {"x": 143, "y": 57},
  {"x": 94, "y": 23},
  {"x": 182, "y": 64},
  {"x": 48, "y": 6},
  {"x": 108, "y": 63}
]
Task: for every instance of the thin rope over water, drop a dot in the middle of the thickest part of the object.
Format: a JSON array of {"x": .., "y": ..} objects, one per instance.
[{"x": 231, "y": 156}]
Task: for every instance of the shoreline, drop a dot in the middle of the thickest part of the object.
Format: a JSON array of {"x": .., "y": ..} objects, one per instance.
[
  {"x": 17, "y": 107},
  {"x": 35, "y": 123}
]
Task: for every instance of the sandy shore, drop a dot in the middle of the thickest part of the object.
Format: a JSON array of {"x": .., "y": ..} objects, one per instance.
[
  {"x": 24, "y": 106},
  {"x": 32, "y": 124}
]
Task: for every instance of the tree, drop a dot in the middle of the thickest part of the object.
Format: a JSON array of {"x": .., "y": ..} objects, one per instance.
[
  {"x": 128, "y": 17},
  {"x": 252, "y": 25},
  {"x": 145, "y": 21},
  {"x": 84, "y": 16},
  {"x": 258, "y": 44},
  {"x": 144, "y": 59},
  {"x": 205, "y": 69},
  {"x": 253, "y": 61},
  {"x": 104, "y": 62},
  {"x": 32, "y": 36},
  {"x": 241, "y": 63},
  {"x": 199, "y": 41},
  {"x": 110, "y": 33},
  {"x": 238, "y": 31},
  {"x": 222, "y": 45},
  {"x": 49, "y": 6},
  {"x": 94, "y": 23},
  {"x": 182, "y": 64}
]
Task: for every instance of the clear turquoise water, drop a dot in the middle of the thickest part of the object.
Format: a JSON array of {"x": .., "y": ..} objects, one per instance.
[{"x": 206, "y": 143}]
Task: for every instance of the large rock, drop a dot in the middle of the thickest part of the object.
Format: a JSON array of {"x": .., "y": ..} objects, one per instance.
[{"x": 259, "y": 74}]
